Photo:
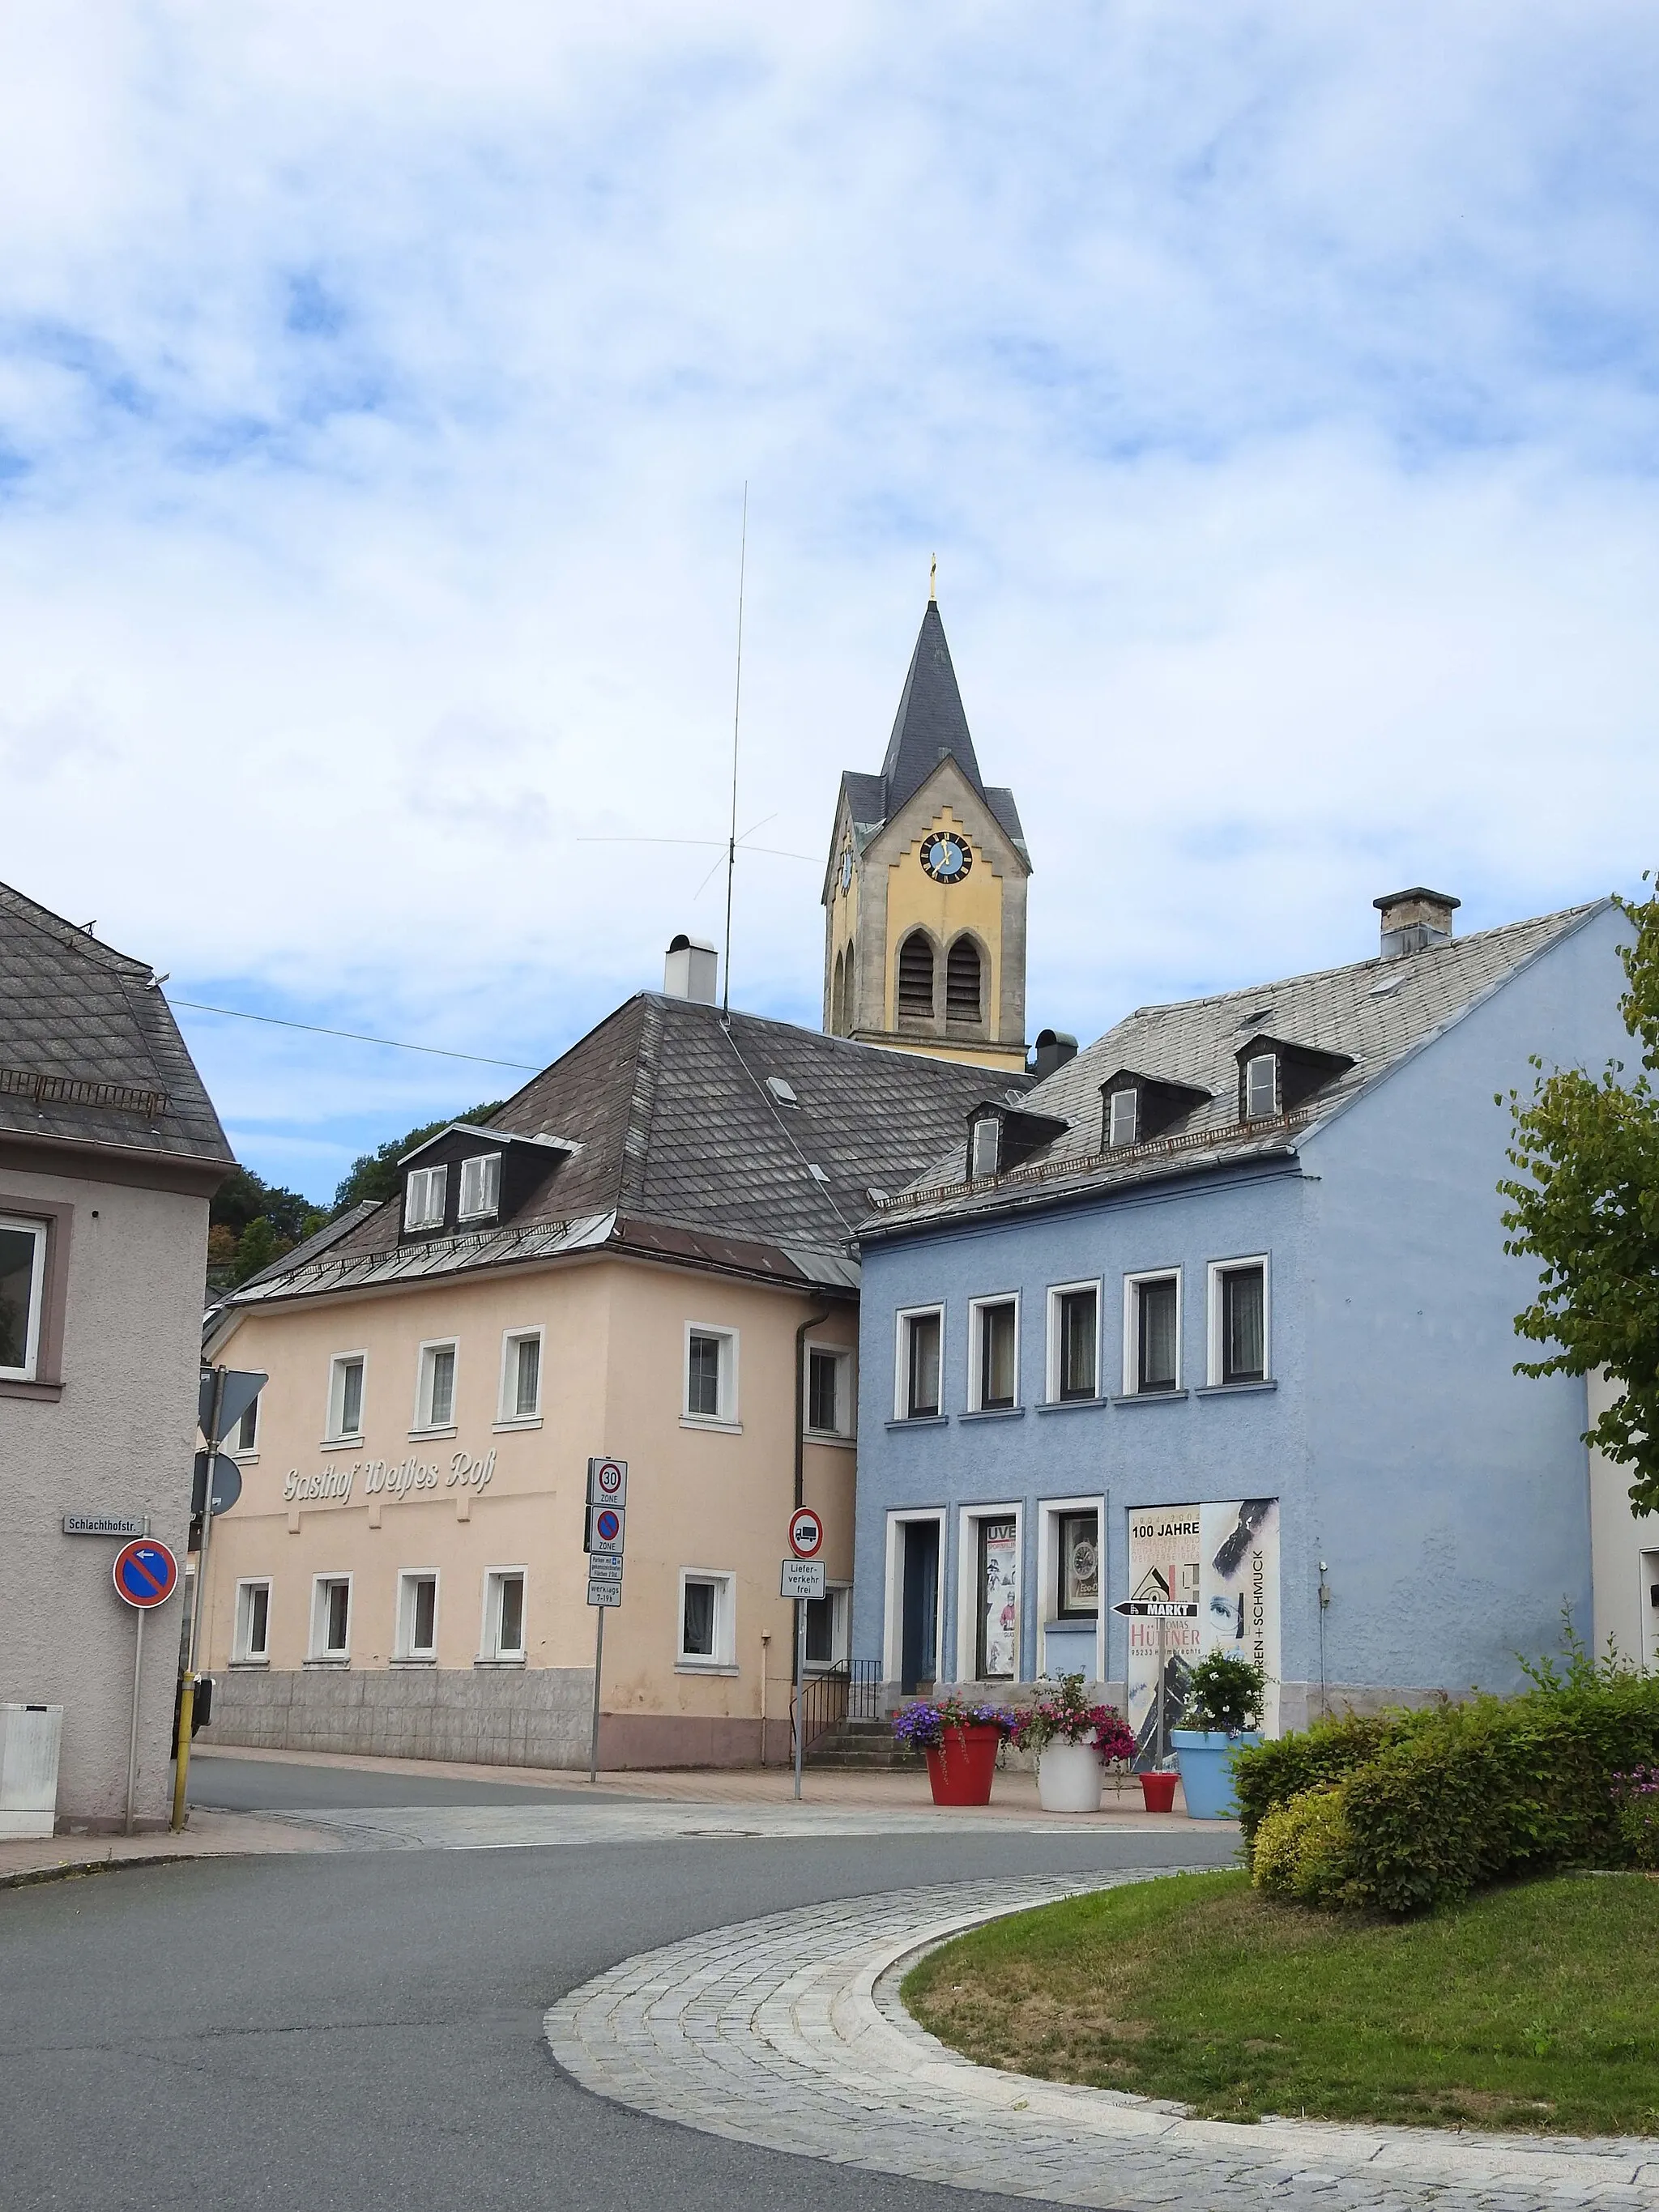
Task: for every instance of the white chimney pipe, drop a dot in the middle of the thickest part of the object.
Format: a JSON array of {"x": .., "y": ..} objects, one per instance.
[{"x": 691, "y": 970}]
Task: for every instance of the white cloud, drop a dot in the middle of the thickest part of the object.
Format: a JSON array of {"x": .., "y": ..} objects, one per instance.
[{"x": 377, "y": 385}]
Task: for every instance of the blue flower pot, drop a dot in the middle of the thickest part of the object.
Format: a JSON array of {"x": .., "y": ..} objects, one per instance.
[{"x": 1205, "y": 1759}]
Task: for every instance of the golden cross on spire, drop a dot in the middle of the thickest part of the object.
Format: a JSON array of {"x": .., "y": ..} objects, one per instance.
[{"x": 932, "y": 580}]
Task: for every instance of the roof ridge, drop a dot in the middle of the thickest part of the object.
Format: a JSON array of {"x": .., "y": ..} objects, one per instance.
[{"x": 71, "y": 935}]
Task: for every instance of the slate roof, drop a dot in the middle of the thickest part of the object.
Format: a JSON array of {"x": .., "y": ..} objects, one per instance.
[
  {"x": 90, "y": 1051},
  {"x": 1375, "y": 1012},
  {"x": 930, "y": 723},
  {"x": 683, "y": 1152}
]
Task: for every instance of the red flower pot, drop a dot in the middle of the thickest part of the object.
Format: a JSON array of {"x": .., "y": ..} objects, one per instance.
[
  {"x": 960, "y": 1769},
  {"x": 1159, "y": 1790}
]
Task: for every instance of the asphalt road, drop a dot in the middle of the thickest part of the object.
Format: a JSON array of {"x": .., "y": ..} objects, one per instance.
[
  {"x": 273, "y": 1785},
  {"x": 360, "y": 2032}
]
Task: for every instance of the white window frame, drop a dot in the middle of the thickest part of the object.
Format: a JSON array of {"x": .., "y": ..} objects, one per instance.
[
  {"x": 901, "y": 1318},
  {"x": 1051, "y": 1379},
  {"x": 247, "y": 1454},
  {"x": 39, "y": 1230},
  {"x": 723, "y": 1659},
  {"x": 985, "y": 1151},
  {"x": 1132, "y": 1330},
  {"x": 969, "y": 1518},
  {"x": 492, "y": 1187},
  {"x": 840, "y": 1597},
  {"x": 846, "y": 1432},
  {"x": 1277, "y": 1106},
  {"x": 1132, "y": 1093},
  {"x": 507, "y": 1416},
  {"x": 318, "y": 1653},
  {"x": 404, "y": 1649},
  {"x": 726, "y": 1419},
  {"x": 428, "y": 1181},
  {"x": 332, "y": 1432},
  {"x": 491, "y": 1650},
  {"x": 1646, "y": 1613},
  {"x": 1215, "y": 1363},
  {"x": 422, "y": 1424},
  {"x": 1051, "y": 1511},
  {"x": 242, "y": 1653},
  {"x": 892, "y": 1631},
  {"x": 976, "y": 1312}
]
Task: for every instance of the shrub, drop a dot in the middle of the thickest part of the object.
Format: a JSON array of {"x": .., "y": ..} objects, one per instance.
[
  {"x": 1636, "y": 1796},
  {"x": 1269, "y": 1774},
  {"x": 1303, "y": 1849}
]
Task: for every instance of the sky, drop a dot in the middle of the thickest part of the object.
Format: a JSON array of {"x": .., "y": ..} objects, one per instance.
[{"x": 378, "y": 387}]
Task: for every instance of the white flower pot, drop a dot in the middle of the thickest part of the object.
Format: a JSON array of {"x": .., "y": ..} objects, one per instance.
[{"x": 1068, "y": 1778}]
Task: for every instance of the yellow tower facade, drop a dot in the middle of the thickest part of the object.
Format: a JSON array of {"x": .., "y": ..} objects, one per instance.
[{"x": 924, "y": 898}]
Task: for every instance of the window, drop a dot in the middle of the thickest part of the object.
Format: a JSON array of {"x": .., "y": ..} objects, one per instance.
[
  {"x": 252, "y": 1633},
  {"x": 1260, "y": 1085},
  {"x": 919, "y": 1364},
  {"x": 985, "y": 1147},
  {"x": 1123, "y": 1117},
  {"x": 1151, "y": 1359},
  {"x": 522, "y": 1375},
  {"x": 481, "y": 1186},
  {"x": 503, "y": 1621},
  {"x": 417, "y": 1614},
  {"x": 1074, "y": 1343},
  {"x": 915, "y": 978},
  {"x": 22, "y": 1280},
  {"x": 826, "y": 1629},
  {"x": 1079, "y": 1580},
  {"x": 331, "y": 1617},
  {"x": 1239, "y": 1321},
  {"x": 247, "y": 1438},
  {"x": 434, "y": 1391},
  {"x": 711, "y": 1375},
  {"x": 423, "y": 1198},
  {"x": 707, "y": 1638},
  {"x": 961, "y": 981},
  {"x": 829, "y": 1392},
  {"x": 345, "y": 1398},
  {"x": 995, "y": 1328},
  {"x": 996, "y": 1600}
]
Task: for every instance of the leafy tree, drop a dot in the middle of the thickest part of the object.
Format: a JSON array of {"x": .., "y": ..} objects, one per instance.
[
  {"x": 374, "y": 1175},
  {"x": 256, "y": 1247},
  {"x": 1588, "y": 1211},
  {"x": 243, "y": 1197}
]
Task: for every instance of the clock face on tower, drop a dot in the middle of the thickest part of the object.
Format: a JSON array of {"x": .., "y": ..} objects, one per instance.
[
  {"x": 845, "y": 872},
  {"x": 945, "y": 857}
]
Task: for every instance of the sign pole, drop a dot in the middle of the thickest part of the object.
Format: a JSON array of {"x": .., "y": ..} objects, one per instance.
[
  {"x": 1163, "y": 1649},
  {"x": 187, "y": 1694},
  {"x": 801, "y": 1684},
  {"x": 599, "y": 1661},
  {"x": 132, "y": 1732}
]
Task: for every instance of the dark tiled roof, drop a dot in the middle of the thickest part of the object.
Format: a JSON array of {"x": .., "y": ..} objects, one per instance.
[
  {"x": 1375, "y": 1013},
  {"x": 685, "y": 1149},
  {"x": 930, "y": 722},
  {"x": 89, "y": 1050}
]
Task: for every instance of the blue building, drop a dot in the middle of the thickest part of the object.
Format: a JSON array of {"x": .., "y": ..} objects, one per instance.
[{"x": 1220, "y": 1311}]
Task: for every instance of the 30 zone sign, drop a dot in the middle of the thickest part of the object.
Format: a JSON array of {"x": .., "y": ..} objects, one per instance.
[{"x": 805, "y": 1533}]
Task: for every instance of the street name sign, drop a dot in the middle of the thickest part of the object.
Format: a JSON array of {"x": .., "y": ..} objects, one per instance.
[
  {"x": 102, "y": 1524},
  {"x": 1155, "y": 1608},
  {"x": 607, "y": 1482},
  {"x": 805, "y": 1533},
  {"x": 801, "y": 1578},
  {"x": 146, "y": 1573}
]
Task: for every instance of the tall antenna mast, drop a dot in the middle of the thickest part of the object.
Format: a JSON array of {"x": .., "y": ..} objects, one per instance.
[{"x": 737, "y": 710}]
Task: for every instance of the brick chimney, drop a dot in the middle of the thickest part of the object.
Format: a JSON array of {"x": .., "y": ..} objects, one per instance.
[{"x": 1413, "y": 921}]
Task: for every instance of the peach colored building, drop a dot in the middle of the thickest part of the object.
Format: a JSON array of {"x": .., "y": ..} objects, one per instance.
[{"x": 647, "y": 1254}]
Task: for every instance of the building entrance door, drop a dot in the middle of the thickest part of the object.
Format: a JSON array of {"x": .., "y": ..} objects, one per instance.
[{"x": 919, "y": 1632}]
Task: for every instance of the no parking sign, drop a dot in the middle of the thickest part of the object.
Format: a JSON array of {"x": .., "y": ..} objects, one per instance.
[{"x": 146, "y": 1573}]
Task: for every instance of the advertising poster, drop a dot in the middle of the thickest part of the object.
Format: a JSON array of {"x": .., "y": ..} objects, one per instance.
[
  {"x": 1225, "y": 1559},
  {"x": 999, "y": 1600}
]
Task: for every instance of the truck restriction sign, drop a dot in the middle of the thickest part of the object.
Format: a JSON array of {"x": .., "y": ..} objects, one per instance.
[
  {"x": 146, "y": 1573},
  {"x": 805, "y": 1533}
]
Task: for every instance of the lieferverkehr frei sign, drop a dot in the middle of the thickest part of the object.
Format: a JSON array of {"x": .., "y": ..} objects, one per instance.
[{"x": 409, "y": 1477}]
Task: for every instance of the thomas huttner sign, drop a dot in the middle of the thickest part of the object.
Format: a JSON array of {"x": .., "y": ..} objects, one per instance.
[{"x": 407, "y": 1478}]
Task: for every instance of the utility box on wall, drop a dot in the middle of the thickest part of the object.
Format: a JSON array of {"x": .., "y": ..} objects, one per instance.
[{"x": 30, "y": 1737}]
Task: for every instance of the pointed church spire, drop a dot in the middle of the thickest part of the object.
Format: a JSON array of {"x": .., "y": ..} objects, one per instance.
[{"x": 930, "y": 722}]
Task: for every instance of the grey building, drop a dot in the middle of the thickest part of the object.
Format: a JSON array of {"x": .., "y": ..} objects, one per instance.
[{"x": 109, "y": 1152}]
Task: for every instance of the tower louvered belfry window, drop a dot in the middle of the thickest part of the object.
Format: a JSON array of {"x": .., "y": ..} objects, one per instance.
[
  {"x": 963, "y": 982},
  {"x": 916, "y": 977}
]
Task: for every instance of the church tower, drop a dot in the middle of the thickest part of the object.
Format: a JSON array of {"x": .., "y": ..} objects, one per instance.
[{"x": 924, "y": 941}]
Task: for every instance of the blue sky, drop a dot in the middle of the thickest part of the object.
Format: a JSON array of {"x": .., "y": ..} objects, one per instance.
[{"x": 378, "y": 385}]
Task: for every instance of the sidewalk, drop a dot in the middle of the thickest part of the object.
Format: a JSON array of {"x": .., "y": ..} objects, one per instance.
[{"x": 210, "y": 1835}]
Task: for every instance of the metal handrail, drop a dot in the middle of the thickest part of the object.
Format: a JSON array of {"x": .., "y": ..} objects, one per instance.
[{"x": 850, "y": 1690}]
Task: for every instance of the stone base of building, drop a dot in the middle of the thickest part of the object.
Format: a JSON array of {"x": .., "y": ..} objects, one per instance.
[
  {"x": 490, "y": 1717},
  {"x": 657, "y": 1739}
]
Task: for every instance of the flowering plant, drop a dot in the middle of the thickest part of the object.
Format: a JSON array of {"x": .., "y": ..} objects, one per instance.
[
  {"x": 1064, "y": 1717},
  {"x": 1224, "y": 1692},
  {"x": 922, "y": 1726},
  {"x": 1636, "y": 1796}
]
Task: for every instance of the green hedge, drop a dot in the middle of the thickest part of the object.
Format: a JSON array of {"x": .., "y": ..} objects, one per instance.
[{"x": 1402, "y": 1812}]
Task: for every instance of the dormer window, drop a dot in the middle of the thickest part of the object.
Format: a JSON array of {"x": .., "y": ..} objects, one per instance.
[
  {"x": 1123, "y": 1117},
  {"x": 481, "y": 1186},
  {"x": 423, "y": 1198},
  {"x": 1261, "y": 1087},
  {"x": 984, "y": 1147}
]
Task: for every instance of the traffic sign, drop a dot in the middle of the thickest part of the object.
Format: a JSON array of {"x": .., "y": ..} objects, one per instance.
[
  {"x": 805, "y": 1533},
  {"x": 603, "y": 1593},
  {"x": 146, "y": 1573},
  {"x": 1155, "y": 1608},
  {"x": 240, "y": 1391},
  {"x": 606, "y": 1567},
  {"x": 227, "y": 1484},
  {"x": 801, "y": 1578},
  {"x": 607, "y": 1482},
  {"x": 604, "y": 1531}
]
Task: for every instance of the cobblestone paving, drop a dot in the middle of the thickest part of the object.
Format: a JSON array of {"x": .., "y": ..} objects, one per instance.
[{"x": 787, "y": 2032}]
